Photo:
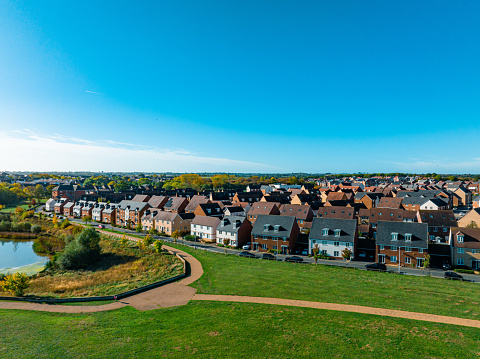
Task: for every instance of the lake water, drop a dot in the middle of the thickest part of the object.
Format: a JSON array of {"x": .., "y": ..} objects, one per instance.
[{"x": 19, "y": 256}]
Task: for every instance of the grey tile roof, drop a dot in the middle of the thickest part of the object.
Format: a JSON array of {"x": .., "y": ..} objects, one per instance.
[
  {"x": 419, "y": 232},
  {"x": 347, "y": 227},
  {"x": 265, "y": 225},
  {"x": 231, "y": 224}
]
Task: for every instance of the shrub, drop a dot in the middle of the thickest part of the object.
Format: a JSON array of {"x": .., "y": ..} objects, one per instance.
[
  {"x": 153, "y": 231},
  {"x": 65, "y": 223},
  {"x": 5, "y": 226},
  {"x": 189, "y": 237},
  {"x": 158, "y": 246},
  {"x": 148, "y": 241},
  {"x": 36, "y": 229},
  {"x": 462, "y": 270},
  {"x": 83, "y": 251},
  {"x": 124, "y": 241},
  {"x": 27, "y": 214},
  {"x": 16, "y": 283}
]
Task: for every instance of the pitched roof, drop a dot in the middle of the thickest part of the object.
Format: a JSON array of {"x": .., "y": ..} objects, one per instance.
[
  {"x": 133, "y": 205},
  {"x": 471, "y": 237},
  {"x": 265, "y": 225},
  {"x": 195, "y": 201},
  {"x": 339, "y": 212},
  {"x": 206, "y": 221},
  {"x": 157, "y": 201},
  {"x": 444, "y": 218},
  {"x": 419, "y": 232},
  {"x": 231, "y": 224},
  {"x": 262, "y": 208},
  {"x": 347, "y": 227},
  {"x": 297, "y": 210}
]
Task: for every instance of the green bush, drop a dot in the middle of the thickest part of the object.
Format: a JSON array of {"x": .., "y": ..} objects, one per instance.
[
  {"x": 81, "y": 252},
  {"x": 462, "y": 270},
  {"x": 5, "y": 226},
  {"x": 36, "y": 229},
  {"x": 189, "y": 237},
  {"x": 65, "y": 223}
]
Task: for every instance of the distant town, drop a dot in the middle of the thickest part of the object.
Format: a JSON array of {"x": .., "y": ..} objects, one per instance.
[{"x": 394, "y": 219}]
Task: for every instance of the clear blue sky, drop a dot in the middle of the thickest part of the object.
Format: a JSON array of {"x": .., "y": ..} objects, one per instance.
[{"x": 264, "y": 86}]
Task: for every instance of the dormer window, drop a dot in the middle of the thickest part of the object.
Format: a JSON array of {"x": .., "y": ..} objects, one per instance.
[
  {"x": 394, "y": 236},
  {"x": 276, "y": 228},
  {"x": 325, "y": 231},
  {"x": 266, "y": 227},
  {"x": 337, "y": 232},
  {"x": 408, "y": 236},
  {"x": 460, "y": 238}
]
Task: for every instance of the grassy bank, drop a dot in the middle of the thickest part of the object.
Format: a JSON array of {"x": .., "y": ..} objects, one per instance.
[
  {"x": 120, "y": 269},
  {"x": 254, "y": 277},
  {"x": 229, "y": 330}
]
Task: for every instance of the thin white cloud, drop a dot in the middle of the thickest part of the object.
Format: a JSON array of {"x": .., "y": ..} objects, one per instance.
[
  {"x": 445, "y": 165},
  {"x": 35, "y": 152},
  {"x": 95, "y": 93}
]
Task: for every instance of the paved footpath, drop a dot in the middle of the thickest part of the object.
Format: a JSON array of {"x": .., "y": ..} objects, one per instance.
[{"x": 179, "y": 293}]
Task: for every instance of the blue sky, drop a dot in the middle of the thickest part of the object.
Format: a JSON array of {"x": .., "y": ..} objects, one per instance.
[{"x": 261, "y": 86}]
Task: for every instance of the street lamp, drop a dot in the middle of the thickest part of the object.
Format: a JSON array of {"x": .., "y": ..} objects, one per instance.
[{"x": 399, "y": 259}]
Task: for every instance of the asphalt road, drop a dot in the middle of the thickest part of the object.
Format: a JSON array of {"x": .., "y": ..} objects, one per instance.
[{"x": 433, "y": 272}]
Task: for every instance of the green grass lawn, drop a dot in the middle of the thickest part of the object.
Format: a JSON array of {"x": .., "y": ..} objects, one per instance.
[
  {"x": 9, "y": 208},
  {"x": 229, "y": 330},
  {"x": 254, "y": 277}
]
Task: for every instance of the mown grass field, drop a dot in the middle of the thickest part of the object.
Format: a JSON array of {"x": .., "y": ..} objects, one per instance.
[
  {"x": 255, "y": 277},
  {"x": 229, "y": 330}
]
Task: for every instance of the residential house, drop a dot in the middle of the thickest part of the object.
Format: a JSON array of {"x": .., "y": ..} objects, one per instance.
[
  {"x": 68, "y": 209},
  {"x": 97, "y": 211},
  {"x": 77, "y": 208},
  {"x": 439, "y": 224},
  {"x": 158, "y": 202},
  {"x": 87, "y": 209},
  {"x": 338, "y": 212},
  {"x": 390, "y": 202},
  {"x": 262, "y": 208},
  {"x": 130, "y": 212},
  {"x": 436, "y": 204},
  {"x": 167, "y": 222},
  {"x": 58, "y": 207},
  {"x": 333, "y": 236},
  {"x": 73, "y": 192},
  {"x": 276, "y": 197},
  {"x": 194, "y": 202},
  {"x": 234, "y": 211},
  {"x": 403, "y": 243},
  {"x": 370, "y": 200},
  {"x": 476, "y": 201},
  {"x": 248, "y": 197},
  {"x": 302, "y": 213},
  {"x": 278, "y": 233},
  {"x": 175, "y": 204},
  {"x": 465, "y": 243},
  {"x": 50, "y": 205},
  {"x": 141, "y": 198},
  {"x": 464, "y": 196},
  {"x": 472, "y": 219},
  {"x": 109, "y": 214},
  {"x": 205, "y": 228},
  {"x": 304, "y": 199},
  {"x": 237, "y": 230},
  {"x": 209, "y": 210}
]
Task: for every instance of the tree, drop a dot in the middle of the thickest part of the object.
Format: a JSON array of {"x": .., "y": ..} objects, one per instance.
[
  {"x": 19, "y": 211},
  {"x": 346, "y": 254},
  {"x": 315, "y": 251},
  {"x": 81, "y": 252},
  {"x": 426, "y": 263},
  {"x": 226, "y": 242},
  {"x": 148, "y": 240},
  {"x": 39, "y": 192},
  {"x": 55, "y": 220},
  {"x": 175, "y": 235},
  {"x": 138, "y": 228},
  {"x": 124, "y": 241},
  {"x": 16, "y": 283},
  {"x": 472, "y": 224},
  {"x": 87, "y": 219},
  {"x": 158, "y": 246}
]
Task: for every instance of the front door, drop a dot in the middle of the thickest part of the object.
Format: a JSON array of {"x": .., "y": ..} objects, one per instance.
[
  {"x": 475, "y": 264},
  {"x": 420, "y": 262},
  {"x": 284, "y": 249},
  {"x": 255, "y": 246},
  {"x": 381, "y": 258}
]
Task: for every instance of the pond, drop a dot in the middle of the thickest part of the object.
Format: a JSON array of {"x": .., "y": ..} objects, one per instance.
[{"x": 18, "y": 256}]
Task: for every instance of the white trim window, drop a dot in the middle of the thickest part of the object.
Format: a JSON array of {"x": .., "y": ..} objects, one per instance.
[
  {"x": 460, "y": 262},
  {"x": 460, "y": 238},
  {"x": 408, "y": 260},
  {"x": 460, "y": 250},
  {"x": 393, "y": 259}
]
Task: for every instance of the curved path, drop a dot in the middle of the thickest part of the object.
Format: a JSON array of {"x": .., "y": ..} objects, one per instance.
[{"x": 179, "y": 293}]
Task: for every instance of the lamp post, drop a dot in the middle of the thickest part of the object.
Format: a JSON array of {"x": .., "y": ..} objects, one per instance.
[{"x": 398, "y": 259}]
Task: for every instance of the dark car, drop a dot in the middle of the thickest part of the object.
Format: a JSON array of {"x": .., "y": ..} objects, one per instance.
[
  {"x": 452, "y": 275},
  {"x": 376, "y": 266},
  {"x": 269, "y": 256},
  {"x": 446, "y": 266},
  {"x": 293, "y": 259},
  {"x": 246, "y": 254}
]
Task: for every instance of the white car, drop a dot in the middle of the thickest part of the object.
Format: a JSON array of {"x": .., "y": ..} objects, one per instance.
[{"x": 247, "y": 246}]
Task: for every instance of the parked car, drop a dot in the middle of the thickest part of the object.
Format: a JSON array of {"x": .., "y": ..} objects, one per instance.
[
  {"x": 446, "y": 266},
  {"x": 305, "y": 252},
  {"x": 453, "y": 275},
  {"x": 381, "y": 267},
  {"x": 247, "y": 246},
  {"x": 246, "y": 254},
  {"x": 293, "y": 259},
  {"x": 269, "y": 256},
  {"x": 362, "y": 254},
  {"x": 101, "y": 226}
]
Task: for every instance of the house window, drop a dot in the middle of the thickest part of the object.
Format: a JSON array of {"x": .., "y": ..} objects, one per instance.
[
  {"x": 324, "y": 251},
  {"x": 324, "y": 243},
  {"x": 460, "y": 250},
  {"x": 381, "y": 247},
  {"x": 393, "y": 248},
  {"x": 408, "y": 249},
  {"x": 408, "y": 236},
  {"x": 336, "y": 254},
  {"x": 394, "y": 236},
  {"x": 274, "y": 246},
  {"x": 325, "y": 231},
  {"x": 434, "y": 229},
  {"x": 264, "y": 247},
  {"x": 347, "y": 244},
  {"x": 460, "y": 238},
  {"x": 393, "y": 259},
  {"x": 474, "y": 251},
  {"x": 444, "y": 229},
  {"x": 336, "y": 244},
  {"x": 337, "y": 232},
  {"x": 460, "y": 262},
  {"x": 408, "y": 260},
  {"x": 420, "y": 250},
  {"x": 374, "y": 225}
]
